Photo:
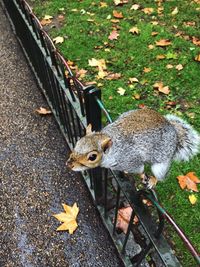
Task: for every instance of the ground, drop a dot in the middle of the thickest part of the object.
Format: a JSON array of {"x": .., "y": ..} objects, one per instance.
[{"x": 34, "y": 179}]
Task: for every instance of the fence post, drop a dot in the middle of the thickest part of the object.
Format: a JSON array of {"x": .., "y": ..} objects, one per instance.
[{"x": 93, "y": 116}]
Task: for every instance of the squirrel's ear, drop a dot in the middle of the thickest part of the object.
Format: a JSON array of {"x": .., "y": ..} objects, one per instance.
[
  {"x": 106, "y": 143},
  {"x": 89, "y": 129}
]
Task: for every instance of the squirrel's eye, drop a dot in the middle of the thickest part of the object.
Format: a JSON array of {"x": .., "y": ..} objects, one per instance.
[{"x": 92, "y": 157}]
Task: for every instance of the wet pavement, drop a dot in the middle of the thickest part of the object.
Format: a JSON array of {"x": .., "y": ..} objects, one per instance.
[{"x": 34, "y": 180}]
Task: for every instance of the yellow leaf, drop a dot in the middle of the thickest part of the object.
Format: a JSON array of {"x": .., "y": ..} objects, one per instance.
[
  {"x": 47, "y": 17},
  {"x": 133, "y": 80},
  {"x": 135, "y": 7},
  {"x": 100, "y": 63},
  {"x": 68, "y": 218},
  {"x": 192, "y": 199},
  {"x": 121, "y": 91},
  {"x": 43, "y": 111},
  {"x": 175, "y": 11},
  {"x": 103, "y": 4},
  {"x": 134, "y": 30},
  {"x": 58, "y": 40},
  {"x": 148, "y": 10}
]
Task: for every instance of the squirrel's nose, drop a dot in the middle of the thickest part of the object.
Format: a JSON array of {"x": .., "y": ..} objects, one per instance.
[{"x": 69, "y": 163}]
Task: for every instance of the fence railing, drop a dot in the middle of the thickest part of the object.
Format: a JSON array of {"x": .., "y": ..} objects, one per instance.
[{"x": 74, "y": 106}]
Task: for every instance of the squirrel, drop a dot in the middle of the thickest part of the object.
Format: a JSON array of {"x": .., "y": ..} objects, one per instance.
[{"x": 136, "y": 138}]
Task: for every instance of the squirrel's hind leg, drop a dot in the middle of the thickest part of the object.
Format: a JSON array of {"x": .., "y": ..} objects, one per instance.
[{"x": 160, "y": 170}]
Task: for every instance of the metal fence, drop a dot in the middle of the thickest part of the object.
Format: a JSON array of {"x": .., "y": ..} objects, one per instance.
[{"x": 75, "y": 106}]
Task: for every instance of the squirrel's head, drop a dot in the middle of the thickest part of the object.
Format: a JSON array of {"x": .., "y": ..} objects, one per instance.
[{"x": 88, "y": 151}]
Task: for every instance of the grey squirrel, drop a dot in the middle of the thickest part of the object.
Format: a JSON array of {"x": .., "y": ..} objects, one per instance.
[{"x": 136, "y": 138}]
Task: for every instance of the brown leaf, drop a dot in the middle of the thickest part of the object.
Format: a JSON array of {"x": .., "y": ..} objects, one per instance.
[
  {"x": 197, "y": 58},
  {"x": 146, "y": 70},
  {"x": 123, "y": 218},
  {"x": 196, "y": 41},
  {"x": 133, "y": 80},
  {"x": 161, "y": 88},
  {"x": 148, "y": 10},
  {"x": 113, "y": 35},
  {"x": 188, "y": 181},
  {"x": 158, "y": 57},
  {"x": 154, "y": 33},
  {"x": 151, "y": 46},
  {"x": 117, "y": 14},
  {"x": 169, "y": 66},
  {"x": 163, "y": 42},
  {"x": 134, "y": 30},
  {"x": 43, "y": 111},
  {"x": 113, "y": 76}
]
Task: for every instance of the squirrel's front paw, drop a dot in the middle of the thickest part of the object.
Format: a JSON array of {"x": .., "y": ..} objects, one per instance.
[{"x": 151, "y": 183}]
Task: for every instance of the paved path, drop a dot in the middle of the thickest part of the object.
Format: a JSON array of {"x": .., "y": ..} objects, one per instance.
[{"x": 34, "y": 180}]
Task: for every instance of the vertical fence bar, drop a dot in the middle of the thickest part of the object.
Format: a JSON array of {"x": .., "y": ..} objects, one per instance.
[{"x": 93, "y": 116}]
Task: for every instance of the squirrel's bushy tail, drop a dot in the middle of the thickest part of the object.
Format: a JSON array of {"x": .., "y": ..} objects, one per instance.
[{"x": 188, "y": 139}]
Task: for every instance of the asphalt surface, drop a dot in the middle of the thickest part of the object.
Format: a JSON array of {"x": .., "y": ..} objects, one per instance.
[{"x": 34, "y": 180}]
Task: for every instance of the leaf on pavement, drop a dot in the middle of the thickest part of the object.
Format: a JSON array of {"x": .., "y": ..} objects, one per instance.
[
  {"x": 68, "y": 218},
  {"x": 189, "y": 181},
  {"x": 43, "y": 111}
]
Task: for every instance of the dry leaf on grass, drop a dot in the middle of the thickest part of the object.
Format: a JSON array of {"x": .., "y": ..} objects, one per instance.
[
  {"x": 135, "y": 7},
  {"x": 161, "y": 88},
  {"x": 163, "y": 42},
  {"x": 120, "y": 2},
  {"x": 134, "y": 30},
  {"x": 68, "y": 218},
  {"x": 179, "y": 67},
  {"x": 189, "y": 181},
  {"x": 146, "y": 70},
  {"x": 197, "y": 58},
  {"x": 192, "y": 199},
  {"x": 123, "y": 218},
  {"x": 58, "y": 40},
  {"x": 121, "y": 91},
  {"x": 175, "y": 11},
  {"x": 148, "y": 10},
  {"x": 117, "y": 14},
  {"x": 100, "y": 63},
  {"x": 113, "y": 35},
  {"x": 43, "y": 111}
]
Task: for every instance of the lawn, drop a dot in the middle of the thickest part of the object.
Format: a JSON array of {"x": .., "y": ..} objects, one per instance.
[{"x": 86, "y": 27}]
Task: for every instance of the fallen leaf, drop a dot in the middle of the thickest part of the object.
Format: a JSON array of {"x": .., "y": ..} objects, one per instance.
[
  {"x": 163, "y": 42},
  {"x": 197, "y": 58},
  {"x": 110, "y": 97},
  {"x": 161, "y": 88},
  {"x": 117, "y": 14},
  {"x": 121, "y": 91},
  {"x": 135, "y": 7},
  {"x": 189, "y": 181},
  {"x": 192, "y": 199},
  {"x": 58, "y": 40},
  {"x": 47, "y": 17},
  {"x": 123, "y": 218},
  {"x": 113, "y": 76},
  {"x": 154, "y": 33},
  {"x": 151, "y": 46},
  {"x": 100, "y": 63},
  {"x": 158, "y": 57},
  {"x": 134, "y": 80},
  {"x": 134, "y": 30},
  {"x": 120, "y": 2},
  {"x": 68, "y": 218},
  {"x": 103, "y": 4},
  {"x": 113, "y": 35},
  {"x": 169, "y": 66},
  {"x": 141, "y": 106},
  {"x": 179, "y": 67},
  {"x": 146, "y": 70},
  {"x": 61, "y": 18},
  {"x": 175, "y": 11},
  {"x": 136, "y": 96},
  {"x": 101, "y": 74},
  {"x": 148, "y": 10},
  {"x": 43, "y": 111},
  {"x": 147, "y": 202},
  {"x": 196, "y": 41},
  {"x": 81, "y": 73}
]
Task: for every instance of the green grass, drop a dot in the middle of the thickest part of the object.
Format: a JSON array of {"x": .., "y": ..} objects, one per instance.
[{"x": 128, "y": 55}]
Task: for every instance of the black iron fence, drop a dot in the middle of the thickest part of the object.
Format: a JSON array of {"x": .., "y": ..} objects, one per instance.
[{"x": 74, "y": 107}]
